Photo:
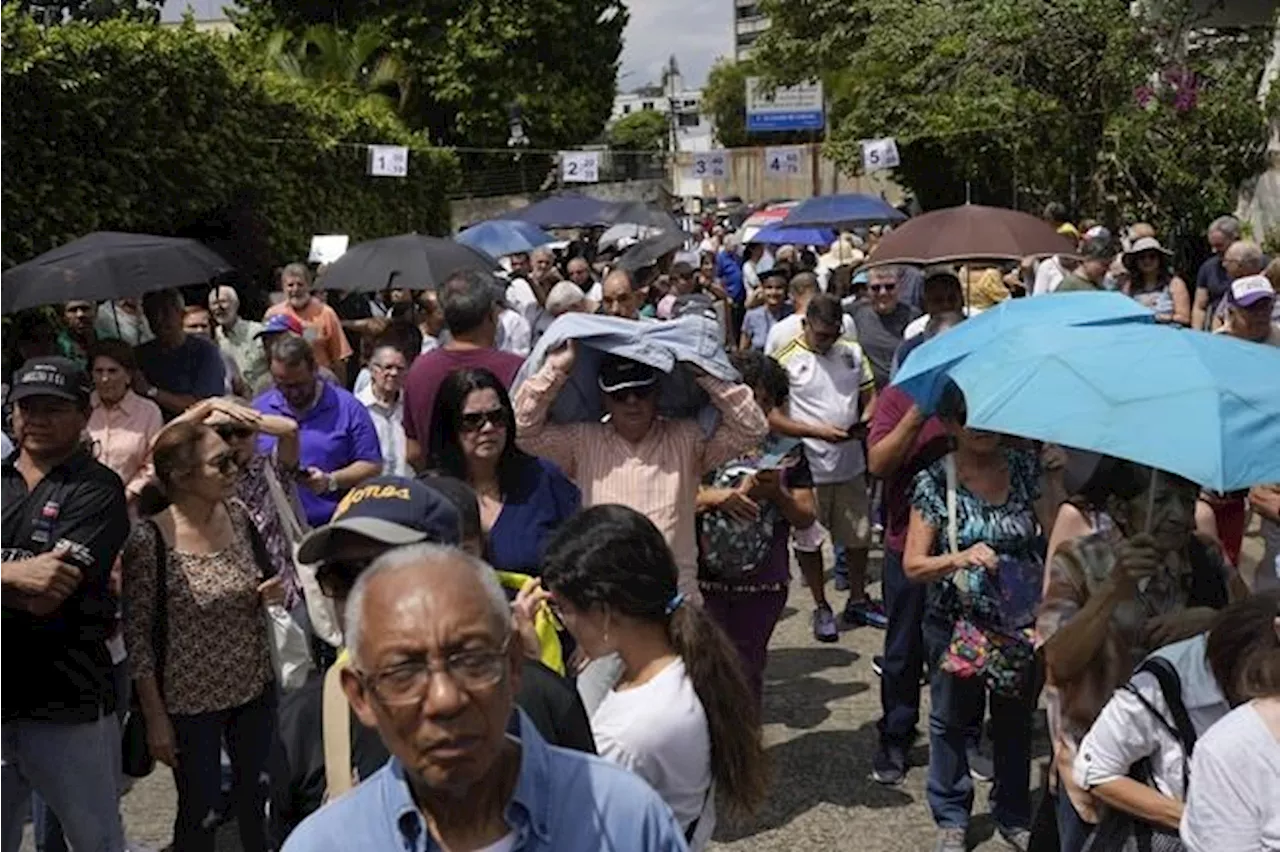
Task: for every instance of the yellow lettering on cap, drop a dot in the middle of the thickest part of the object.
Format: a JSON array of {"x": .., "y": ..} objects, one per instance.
[{"x": 370, "y": 492}]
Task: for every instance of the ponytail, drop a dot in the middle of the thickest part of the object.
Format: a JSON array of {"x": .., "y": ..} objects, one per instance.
[
  {"x": 738, "y": 761},
  {"x": 152, "y": 500}
]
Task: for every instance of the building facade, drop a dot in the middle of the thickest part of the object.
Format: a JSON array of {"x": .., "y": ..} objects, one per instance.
[{"x": 748, "y": 22}]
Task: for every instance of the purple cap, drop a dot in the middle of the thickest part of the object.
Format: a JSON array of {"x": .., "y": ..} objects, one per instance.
[{"x": 1250, "y": 290}]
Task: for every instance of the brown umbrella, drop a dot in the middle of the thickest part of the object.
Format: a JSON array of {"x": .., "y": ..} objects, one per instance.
[{"x": 969, "y": 233}]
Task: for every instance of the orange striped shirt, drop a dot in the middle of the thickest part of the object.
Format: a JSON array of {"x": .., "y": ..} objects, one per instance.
[{"x": 658, "y": 476}]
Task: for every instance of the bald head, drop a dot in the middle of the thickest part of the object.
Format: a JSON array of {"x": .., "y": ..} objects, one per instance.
[
  {"x": 1243, "y": 258},
  {"x": 424, "y": 588}
]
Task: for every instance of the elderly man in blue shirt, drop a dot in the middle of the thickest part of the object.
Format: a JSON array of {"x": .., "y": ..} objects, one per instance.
[{"x": 435, "y": 669}]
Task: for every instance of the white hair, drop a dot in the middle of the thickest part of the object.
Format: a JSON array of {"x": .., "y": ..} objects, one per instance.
[
  {"x": 413, "y": 556},
  {"x": 232, "y": 296}
]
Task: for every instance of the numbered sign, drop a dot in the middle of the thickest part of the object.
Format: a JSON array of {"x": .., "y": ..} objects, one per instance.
[
  {"x": 388, "y": 161},
  {"x": 710, "y": 165},
  {"x": 879, "y": 154},
  {"x": 782, "y": 162},
  {"x": 580, "y": 166},
  {"x": 326, "y": 248}
]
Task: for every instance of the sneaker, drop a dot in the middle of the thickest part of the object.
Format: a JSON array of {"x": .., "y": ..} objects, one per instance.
[
  {"x": 951, "y": 840},
  {"x": 824, "y": 625},
  {"x": 889, "y": 765},
  {"x": 877, "y": 665},
  {"x": 866, "y": 611},
  {"x": 981, "y": 767},
  {"x": 1017, "y": 837}
]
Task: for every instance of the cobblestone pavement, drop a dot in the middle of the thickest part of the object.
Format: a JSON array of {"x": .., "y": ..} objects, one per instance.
[{"x": 820, "y": 707}]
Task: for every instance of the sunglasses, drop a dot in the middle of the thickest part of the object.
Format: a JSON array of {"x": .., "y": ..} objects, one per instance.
[
  {"x": 229, "y": 432},
  {"x": 474, "y": 421},
  {"x": 882, "y": 288},
  {"x": 626, "y": 394}
]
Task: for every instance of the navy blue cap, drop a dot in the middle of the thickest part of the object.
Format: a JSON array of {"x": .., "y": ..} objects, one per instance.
[
  {"x": 51, "y": 376},
  {"x": 388, "y": 509}
]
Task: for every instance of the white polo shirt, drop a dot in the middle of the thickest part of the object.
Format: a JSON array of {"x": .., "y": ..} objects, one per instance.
[
  {"x": 789, "y": 327},
  {"x": 826, "y": 389}
]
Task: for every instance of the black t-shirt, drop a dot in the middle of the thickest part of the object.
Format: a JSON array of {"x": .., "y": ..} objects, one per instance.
[{"x": 57, "y": 667}]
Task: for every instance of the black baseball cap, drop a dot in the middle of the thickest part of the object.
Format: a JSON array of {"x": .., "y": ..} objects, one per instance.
[
  {"x": 51, "y": 376},
  {"x": 391, "y": 510},
  {"x": 618, "y": 373}
]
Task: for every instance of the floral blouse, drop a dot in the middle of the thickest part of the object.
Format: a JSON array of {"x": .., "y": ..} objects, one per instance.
[
  {"x": 217, "y": 655},
  {"x": 1010, "y": 529}
]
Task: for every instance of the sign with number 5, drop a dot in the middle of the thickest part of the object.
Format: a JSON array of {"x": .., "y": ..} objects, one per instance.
[{"x": 879, "y": 154}]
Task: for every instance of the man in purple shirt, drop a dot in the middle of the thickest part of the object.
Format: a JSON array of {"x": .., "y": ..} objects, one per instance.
[{"x": 339, "y": 443}]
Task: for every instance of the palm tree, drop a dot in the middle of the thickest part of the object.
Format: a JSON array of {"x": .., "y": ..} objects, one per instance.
[{"x": 353, "y": 67}]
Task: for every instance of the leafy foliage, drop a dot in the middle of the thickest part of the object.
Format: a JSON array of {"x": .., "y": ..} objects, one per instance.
[
  {"x": 58, "y": 11},
  {"x": 469, "y": 60},
  {"x": 135, "y": 127},
  {"x": 646, "y": 130},
  {"x": 1026, "y": 101},
  {"x": 349, "y": 67}
]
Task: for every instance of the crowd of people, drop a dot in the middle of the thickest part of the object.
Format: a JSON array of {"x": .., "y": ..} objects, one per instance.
[{"x": 536, "y": 593}]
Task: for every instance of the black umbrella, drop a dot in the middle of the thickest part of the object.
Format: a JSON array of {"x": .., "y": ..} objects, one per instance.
[
  {"x": 108, "y": 265},
  {"x": 649, "y": 250},
  {"x": 419, "y": 262},
  {"x": 639, "y": 213}
]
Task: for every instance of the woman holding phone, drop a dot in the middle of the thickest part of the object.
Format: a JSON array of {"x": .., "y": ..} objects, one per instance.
[{"x": 746, "y": 510}]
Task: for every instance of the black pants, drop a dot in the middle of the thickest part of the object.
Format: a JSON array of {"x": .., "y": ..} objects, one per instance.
[
  {"x": 248, "y": 730},
  {"x": 903, "y": 653}
]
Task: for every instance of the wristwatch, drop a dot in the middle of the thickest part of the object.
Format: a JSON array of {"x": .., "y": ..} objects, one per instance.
[
  {"x": 332, "y": 486},
  {"x": 152, "y": 392}
]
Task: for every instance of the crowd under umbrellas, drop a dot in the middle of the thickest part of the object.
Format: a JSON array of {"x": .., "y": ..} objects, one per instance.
[{"x": 1019, "y": 390}]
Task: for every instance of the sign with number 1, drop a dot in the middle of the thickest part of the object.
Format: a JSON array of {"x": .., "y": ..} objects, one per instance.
[{"x": 388, "y": 161}]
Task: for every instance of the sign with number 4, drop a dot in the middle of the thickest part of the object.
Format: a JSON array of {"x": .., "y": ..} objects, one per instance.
[
  {"x": 710, "y": 165},
  {"x": 879, "y": 154},
  {"x": 388, "y": 161},
  {"x": 782, "y": 162},
  {"x": 580, "y": 166}
]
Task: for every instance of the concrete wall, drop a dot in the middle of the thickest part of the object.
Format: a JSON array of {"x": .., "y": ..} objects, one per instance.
[
  {"x": 748, "y": 179},
  {"x": 467, "y": 211}
]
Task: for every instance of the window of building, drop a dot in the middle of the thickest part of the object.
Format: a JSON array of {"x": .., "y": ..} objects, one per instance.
[
  {"x": 646, "y": 105},
  {"x": 688, "y": 119},
  {"x": 747, "y": 39},
  {"x": 748, "y": 11},
  {"x": 626, "y": 109}
]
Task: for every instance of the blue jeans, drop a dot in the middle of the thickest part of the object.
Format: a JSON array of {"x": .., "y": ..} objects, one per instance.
[
  {"x": 44, "y": 823},
  {"x": 76, "y": 769},
  {"x": 1073, "y": 831},
  {"x": 249, "y": 730},
  {"x": 954, "y": 720},
  {"x": 841, "y": 567},
  {"x": 903, "y": 654}
]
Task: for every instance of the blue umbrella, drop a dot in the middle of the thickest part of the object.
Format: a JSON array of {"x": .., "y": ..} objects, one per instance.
[
  {"x": 924, "y": 374},
  {"x": 501, "y": 237},
  {"x": 566, "y": 210},
  {"x": 1203, "y": 406},
  {"x": 778, "y": 234},
  {"x": 835, "y": 211}
]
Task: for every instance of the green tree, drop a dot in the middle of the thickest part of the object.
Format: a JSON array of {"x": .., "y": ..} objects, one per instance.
[
  {"x": 1025, "y": 101},
  {"x": 646, "y": 130},
  {"x": 724, "y": 98},
  {"x": 58, "y": 11},
  {"x": 348, "y": 67},
  {"x": 167, "y": 130},
  {"x": 469, "y": 60}
]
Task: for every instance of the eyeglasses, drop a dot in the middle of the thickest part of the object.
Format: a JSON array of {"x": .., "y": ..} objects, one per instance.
[
  {"x": 474, "y": 421},
  {"x": 408, "y": 683},
  {"x": 882, "y": 288},
  {"x": 641, "y": 393},
  {"x": 225, "y": 463},
  {"x": 228, "y": 432}
]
